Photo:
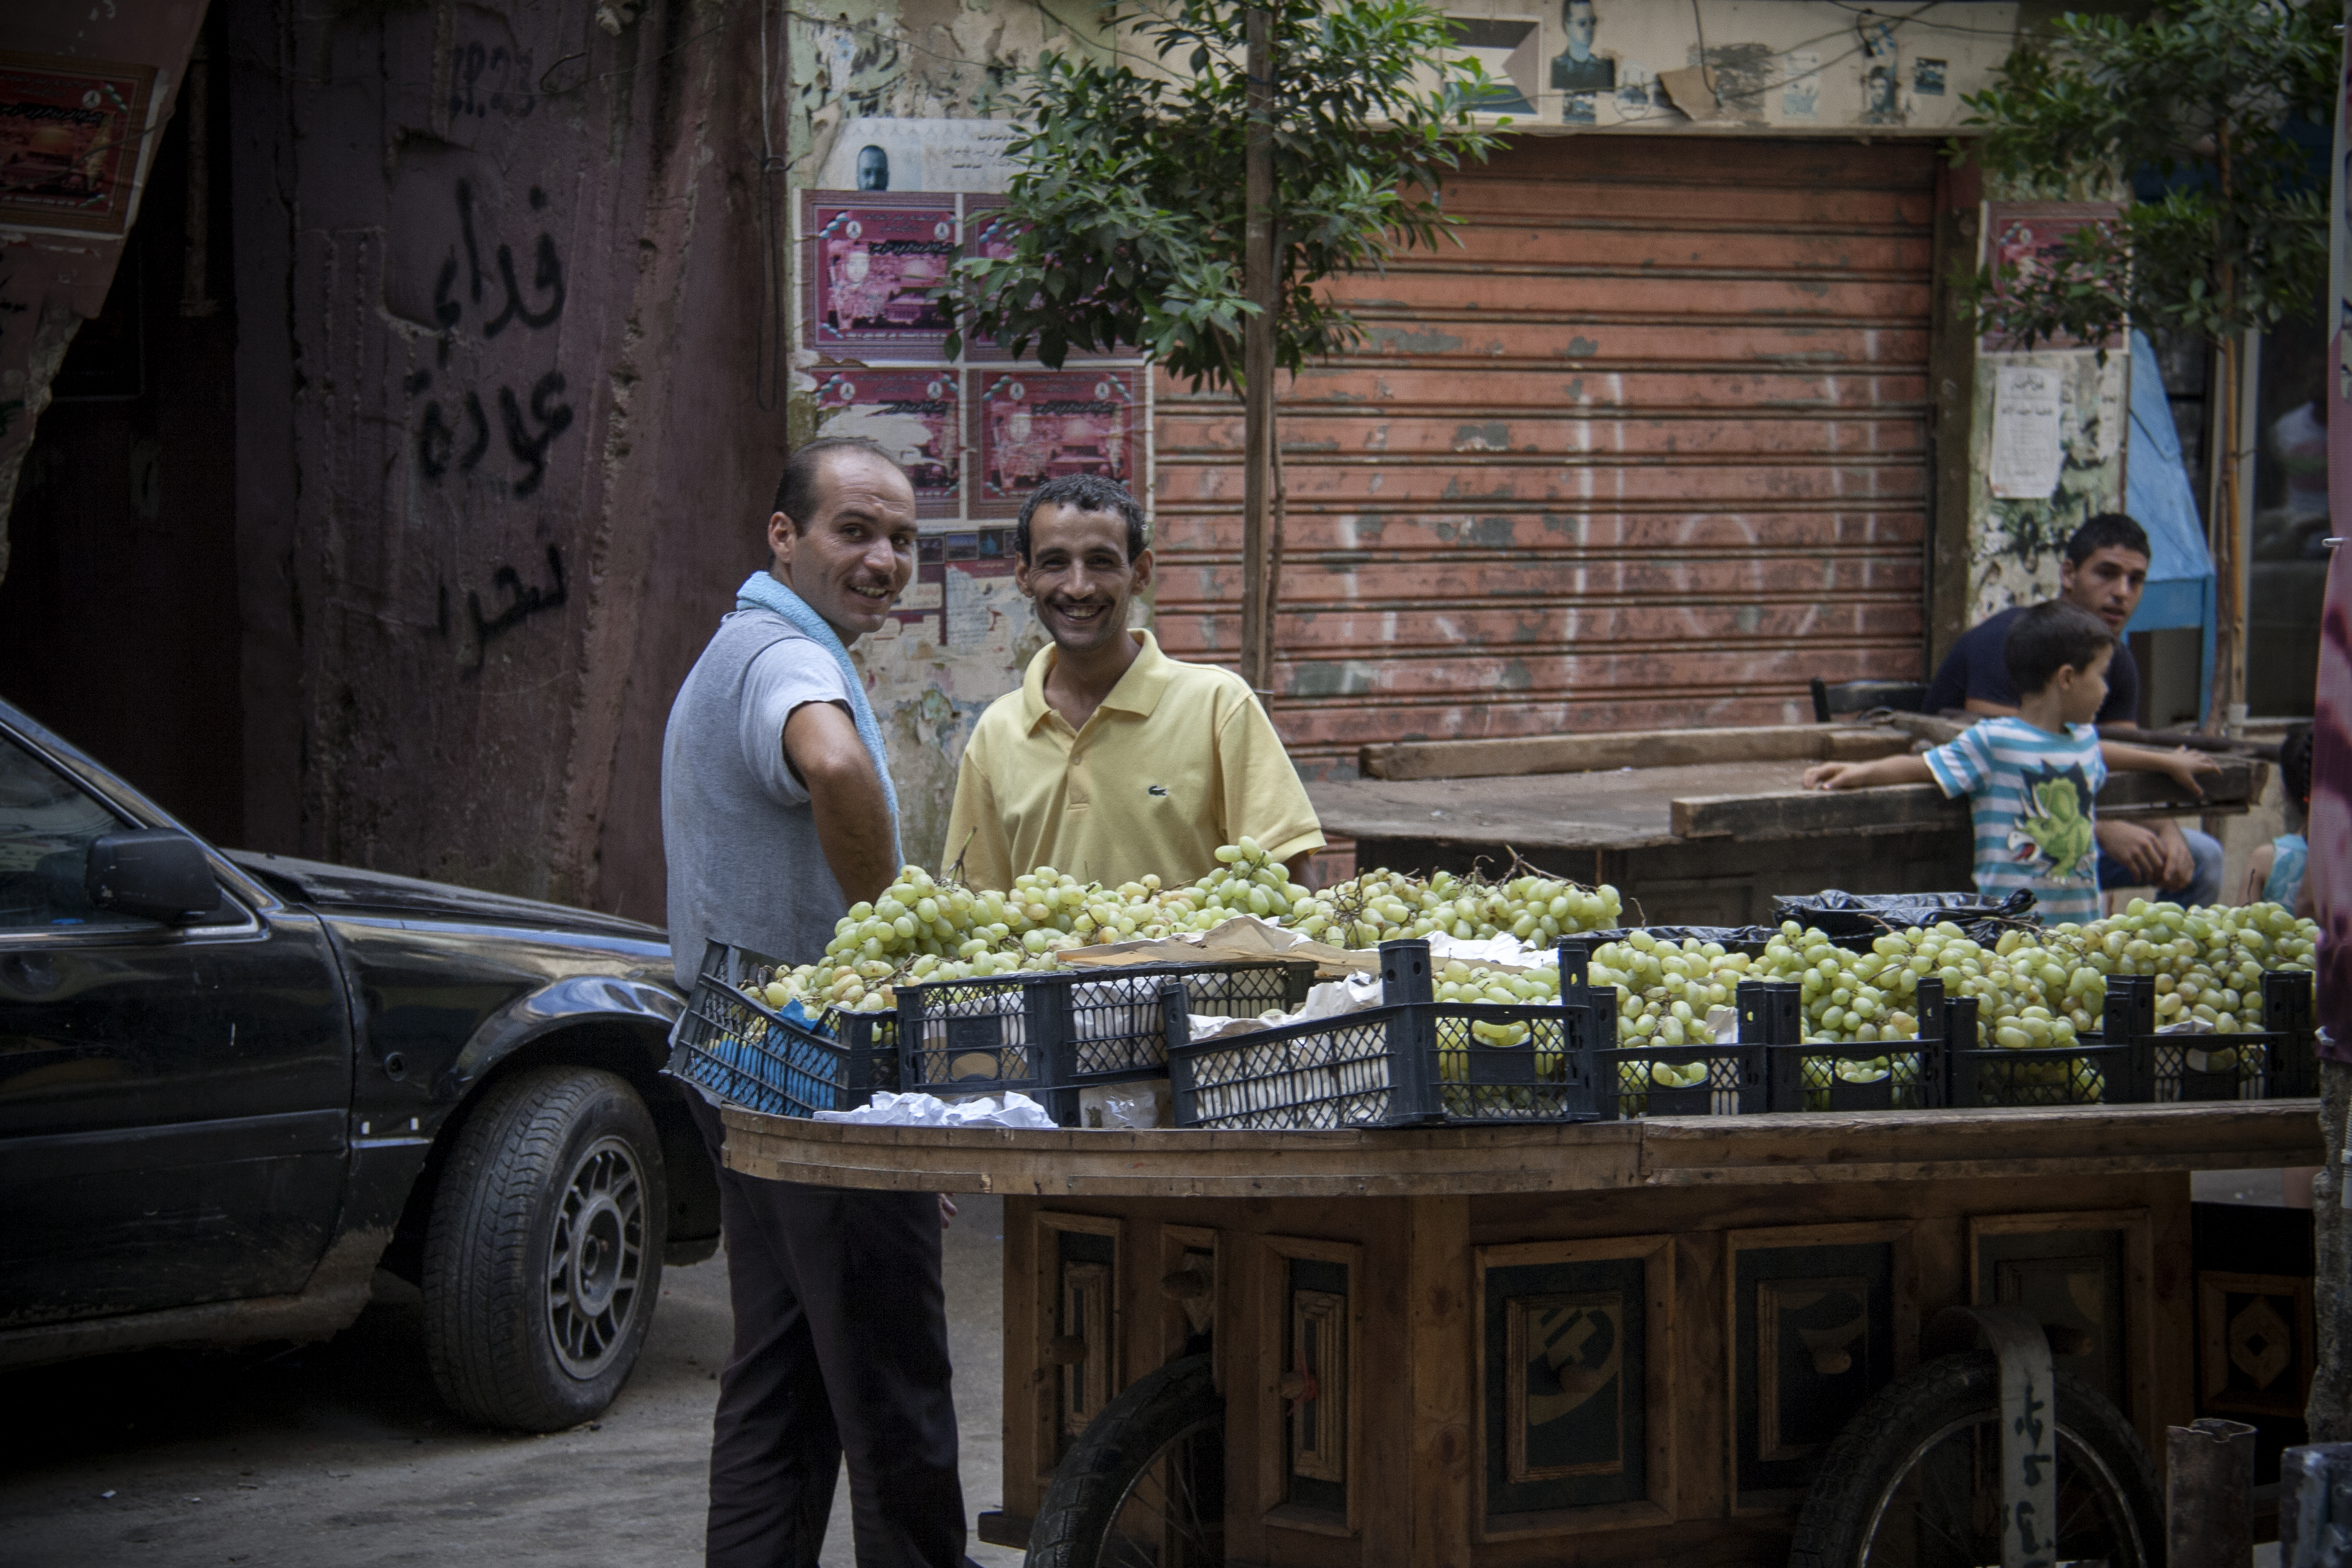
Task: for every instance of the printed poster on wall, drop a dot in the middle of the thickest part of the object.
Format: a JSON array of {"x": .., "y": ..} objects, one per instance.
[
  {"x": 2030, "y": 238},
  {"x": 2029, "y": 447},
  {"x": 988, "y": 233},
  {"x": 70, "y": 136},
  {"x": 916, "y": 416},
  {"x": 869, "y": 265},
  {"x": 1036, "y": 426}
]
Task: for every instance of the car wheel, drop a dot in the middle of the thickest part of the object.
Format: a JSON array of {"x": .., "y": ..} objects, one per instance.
[{"x": 543, "y": 1256}]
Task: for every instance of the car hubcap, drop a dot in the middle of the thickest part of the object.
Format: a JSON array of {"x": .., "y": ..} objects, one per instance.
[{"x": 596, "y": 1259}]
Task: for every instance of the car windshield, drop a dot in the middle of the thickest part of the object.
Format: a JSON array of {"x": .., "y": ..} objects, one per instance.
[{"x": 47, "y": 824}]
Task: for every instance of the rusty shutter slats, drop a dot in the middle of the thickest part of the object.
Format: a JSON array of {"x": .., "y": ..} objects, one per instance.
[{"x": 1649, "y": 448}]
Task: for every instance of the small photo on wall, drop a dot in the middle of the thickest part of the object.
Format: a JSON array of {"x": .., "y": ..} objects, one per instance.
[
  {"x": 871, "y": 261},
  {"x": 1036, "y": 426},
  {"x": 70, "y": 131},
  {"x": 915, "y": 415}
]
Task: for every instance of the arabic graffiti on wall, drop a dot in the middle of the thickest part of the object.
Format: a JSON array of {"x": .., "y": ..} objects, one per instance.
[{"x": 454, "y": 429}]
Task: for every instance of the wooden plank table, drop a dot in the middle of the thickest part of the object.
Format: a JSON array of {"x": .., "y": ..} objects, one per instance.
[
  {"x": 1692, "y": 841},
  {"x": 1421, "y": 1254}
]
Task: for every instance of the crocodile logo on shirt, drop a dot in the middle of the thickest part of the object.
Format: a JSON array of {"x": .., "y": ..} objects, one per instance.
[
  {"x": 1156, "y": 789},
  {"x": 2054, "y": 826}
]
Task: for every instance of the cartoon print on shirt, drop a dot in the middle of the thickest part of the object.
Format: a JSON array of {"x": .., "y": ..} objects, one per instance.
[{"x": 2055, "y": 825}]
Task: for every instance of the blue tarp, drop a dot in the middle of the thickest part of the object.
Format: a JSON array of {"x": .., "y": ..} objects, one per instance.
[{"x": 2157, "y": 492}]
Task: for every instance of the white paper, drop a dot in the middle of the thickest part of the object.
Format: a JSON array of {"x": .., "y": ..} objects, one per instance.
[
  {"x": 974, "y": 602},
  {"x": 2028, "y": 437},
  {"x": 1500, "y": 951},
  {"x": 1351, "y": 993}
]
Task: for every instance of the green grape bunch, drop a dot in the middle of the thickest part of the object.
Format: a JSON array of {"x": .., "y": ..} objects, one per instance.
[{"x": 925, "y": 929}]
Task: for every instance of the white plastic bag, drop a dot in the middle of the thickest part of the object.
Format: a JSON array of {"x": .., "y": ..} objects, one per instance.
[
  {"x": 1010, "y": 1110},
  {"x": 1124, "y": 1106}
]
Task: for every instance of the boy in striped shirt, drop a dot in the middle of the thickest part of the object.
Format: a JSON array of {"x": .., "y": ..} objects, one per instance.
[{"x": 2030, "y": 779}]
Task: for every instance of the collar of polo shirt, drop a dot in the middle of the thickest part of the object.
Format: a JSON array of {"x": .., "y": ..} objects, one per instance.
[{"x": 1138, "y": 691}]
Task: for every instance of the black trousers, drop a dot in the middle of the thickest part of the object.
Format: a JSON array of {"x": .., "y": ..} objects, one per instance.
[{"x": 840, "y": 1351}]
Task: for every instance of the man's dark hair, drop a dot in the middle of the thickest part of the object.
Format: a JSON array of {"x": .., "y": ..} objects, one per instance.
[
  {"x": 2047, "y": 639},
  {"x": 796, "y": 492},
  {"x": 2294, "y": 765},
  {"x": 2107, "y": 531},
  {"x": 1083, "y": 492}
]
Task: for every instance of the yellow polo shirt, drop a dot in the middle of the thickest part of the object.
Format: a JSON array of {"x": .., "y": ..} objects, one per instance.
[{"x": 1177, "y": 760}]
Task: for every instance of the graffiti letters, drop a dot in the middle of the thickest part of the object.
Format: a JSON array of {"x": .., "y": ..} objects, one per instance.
[
  {"x": 522, "y": 601},
  {"x": 553, "y": 418},
  {"x": 496, "y": 79},
  {"x": 458, "y": 435}
]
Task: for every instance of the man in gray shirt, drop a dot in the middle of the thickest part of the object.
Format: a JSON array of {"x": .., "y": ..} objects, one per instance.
[{"x": 777, "y": 813}]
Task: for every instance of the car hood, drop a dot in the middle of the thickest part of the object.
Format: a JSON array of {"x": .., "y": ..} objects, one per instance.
[{"x": 344, "y": 889}]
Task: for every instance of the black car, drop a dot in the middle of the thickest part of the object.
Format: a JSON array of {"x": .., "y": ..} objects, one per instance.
[{"x": 234, "y": 1086}]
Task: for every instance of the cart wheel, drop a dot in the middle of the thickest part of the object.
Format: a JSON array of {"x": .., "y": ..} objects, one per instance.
[
  {"x": 1914, "y": 1478},
  {"x": 1145, "y": 1482}
]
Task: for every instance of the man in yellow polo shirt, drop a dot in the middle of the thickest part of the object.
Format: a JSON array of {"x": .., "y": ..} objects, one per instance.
[{"x": 1113, "y": 760}]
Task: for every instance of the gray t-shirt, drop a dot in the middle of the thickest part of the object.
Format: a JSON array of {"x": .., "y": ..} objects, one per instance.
[{"x": 745, "y": 864}]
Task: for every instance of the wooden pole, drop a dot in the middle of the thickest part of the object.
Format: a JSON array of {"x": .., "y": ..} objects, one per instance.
[
  {"x": 2227, "y": 711},
  {"x": 2227, "y": 701},
  {"x": 1257, "y": 354}
]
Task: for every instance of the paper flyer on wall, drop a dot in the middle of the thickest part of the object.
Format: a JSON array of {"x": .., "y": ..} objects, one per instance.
[{"x": 2028, "y": 432}]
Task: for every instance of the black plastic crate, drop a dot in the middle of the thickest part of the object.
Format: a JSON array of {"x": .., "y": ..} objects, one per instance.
[
  {"x": 1487, "y": 1063},
  {"x": 1412, "y": 1061},
  {"x": 749, "y": 1055},
  {"x": 1047, "y": 1034},
  {"x": 1333, "y": 1073},
  {"x": 2131, "y": 1064},
  {"x": 2277, "y": 1061},
  {"x": 2100, "y": 1071},
  {"x": 1803, "y": 1075},
  {"x": 1771, "y": 1066},
  {"x": 1625, "y": 1082}
]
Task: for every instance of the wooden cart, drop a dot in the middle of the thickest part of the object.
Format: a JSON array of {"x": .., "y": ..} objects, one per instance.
[{"x": 1620, "y": 1343}]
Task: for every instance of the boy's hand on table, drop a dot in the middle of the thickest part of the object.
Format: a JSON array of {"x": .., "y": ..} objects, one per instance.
[
  {"x": 2183, "y": 765},
  {"x": 1831, "y": 775}
]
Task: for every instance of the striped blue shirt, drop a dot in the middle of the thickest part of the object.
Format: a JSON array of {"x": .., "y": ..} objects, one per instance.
[{"x": 2029, "y": 793}]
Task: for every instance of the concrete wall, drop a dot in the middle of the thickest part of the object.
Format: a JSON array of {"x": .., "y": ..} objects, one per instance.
[{"x": 503, "y": 455}]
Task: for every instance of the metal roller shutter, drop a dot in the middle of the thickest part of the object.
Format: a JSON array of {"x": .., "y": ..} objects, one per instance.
[{"x": 1649, "y": 450}]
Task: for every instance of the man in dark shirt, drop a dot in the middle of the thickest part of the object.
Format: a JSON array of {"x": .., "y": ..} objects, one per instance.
[{"x": 2105, "y": 571}]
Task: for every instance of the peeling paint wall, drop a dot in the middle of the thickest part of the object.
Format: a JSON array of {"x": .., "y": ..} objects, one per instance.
[
  {"x": 924, "y": 66},
  {"x": 2015, "y": 546}
]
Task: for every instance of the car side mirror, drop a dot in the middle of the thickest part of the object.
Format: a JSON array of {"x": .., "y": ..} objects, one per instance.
[{"x": 156, "y": 874}]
